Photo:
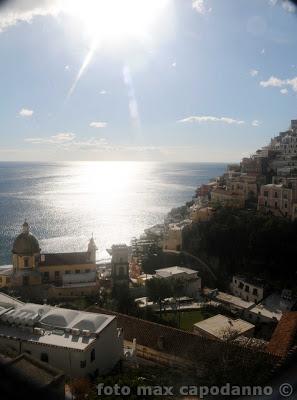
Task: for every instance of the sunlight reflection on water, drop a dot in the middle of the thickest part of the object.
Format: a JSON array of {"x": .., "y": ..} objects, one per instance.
[{"x": 66, "y": 202}]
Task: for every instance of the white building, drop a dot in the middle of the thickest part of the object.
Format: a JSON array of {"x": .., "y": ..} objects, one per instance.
[
  {"x": 222, "y": 327},
  {"x": 190, "y": 277},
  {"x": 247, "y": 289},
  {"x": 78, "y": 343}
]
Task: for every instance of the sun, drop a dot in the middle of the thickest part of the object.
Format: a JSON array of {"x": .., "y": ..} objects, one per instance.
[{"x": 115, "y": 20}]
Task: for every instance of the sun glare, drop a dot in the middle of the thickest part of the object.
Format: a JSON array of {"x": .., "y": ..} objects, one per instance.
[{"x": 116, "y": 20}]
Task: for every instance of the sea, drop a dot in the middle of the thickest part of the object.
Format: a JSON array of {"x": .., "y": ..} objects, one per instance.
[{"x": 66, "y": 203}]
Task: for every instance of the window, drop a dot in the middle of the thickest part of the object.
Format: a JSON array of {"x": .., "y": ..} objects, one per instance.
[
  {"x": 7, "y": 280},
  {"x": 275, "y": 204},
  {"x": 266, "y": 193},
  {"x": 275, "y": 195},
  {"x": 255, "y": 292},
  {"x": 87, "y": 271},
  {"x": 67, "y": 272},
  {"x": 247, "y": 288},
  {"x": 44, "y": 357},
  {"x": 83, "y": 364},
  {"x": 26, "y": 263},
  {"x": 57, "y": 274},
  {"x": 93, "y": 355},
  {"x": 77, "y": 271},
  {"x": 46, "y": 276}
]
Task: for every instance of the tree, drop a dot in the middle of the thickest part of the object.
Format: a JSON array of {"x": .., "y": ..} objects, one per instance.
[{"x": 158, "y": 289}]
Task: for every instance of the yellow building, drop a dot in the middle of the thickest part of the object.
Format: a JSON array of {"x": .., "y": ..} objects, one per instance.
[
  {"x": 227, "y": 198},
  {"x": 66, "y": 274}
]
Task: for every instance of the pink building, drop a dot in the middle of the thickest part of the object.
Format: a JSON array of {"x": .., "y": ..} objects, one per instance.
[{"x": 277, "y": 199}]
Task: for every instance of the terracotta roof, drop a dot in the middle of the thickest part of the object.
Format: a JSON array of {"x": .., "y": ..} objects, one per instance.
[
  {"x": 284, "y": 335},
  {"x": 65, "y": 259}
]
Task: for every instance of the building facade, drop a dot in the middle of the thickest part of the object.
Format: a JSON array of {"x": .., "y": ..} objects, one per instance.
[
  {"x": 189, "y": 277},
  {"x": 276, "y": 199},
  {"x": 78, "y": 343},
  {"x": 72, "y": 273},
  {"x": 246, "y": 289}
]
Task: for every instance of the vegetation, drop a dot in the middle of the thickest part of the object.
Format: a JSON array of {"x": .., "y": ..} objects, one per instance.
[
  {"x": 159, "y": 289},
  {"x": 186, "y": 319},
  {"x": 134, "y": 378},
  {"x": 237, "y": 241}
]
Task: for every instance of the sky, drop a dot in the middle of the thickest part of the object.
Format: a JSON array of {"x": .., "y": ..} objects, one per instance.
[{"x": 160, "y": 80}]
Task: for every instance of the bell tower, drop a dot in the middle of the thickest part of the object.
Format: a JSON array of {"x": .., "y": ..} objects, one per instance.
[{"x": 120, "y": 263}]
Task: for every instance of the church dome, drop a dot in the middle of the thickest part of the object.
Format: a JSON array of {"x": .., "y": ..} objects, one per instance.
[{"x": 25, "y": 243}]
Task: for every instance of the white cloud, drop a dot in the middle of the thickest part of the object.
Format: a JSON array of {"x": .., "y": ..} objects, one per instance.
[
  {"x": 288, "y": 6},
  {"x": 17, "y": 11},
  {"x": 98, "y": 124},
  {"x": 68, "y": 141},
  {"x": 60, "y": 138},
  {"x": 173, "y": 64},
  {"x": 263, "y": 51},
  {"x": 67, "y": 67},
  {"x": 293, "y": 83},
  {"x": 254, "y": 72},
  {"x": 103, "y": 91},
  {"x": 284, "y": 91},
  {"x": 276, "y": 82},
  {"x": 208, "y": 118},
  {"x": 256, "y": 123},
  {"x": 25, "y": 112},
  {"x": 272, "y": 81},
  {"x": 200, "y": 7}
]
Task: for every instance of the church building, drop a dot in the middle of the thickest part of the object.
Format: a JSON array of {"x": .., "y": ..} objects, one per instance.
[{"x": 63, "y": 274}]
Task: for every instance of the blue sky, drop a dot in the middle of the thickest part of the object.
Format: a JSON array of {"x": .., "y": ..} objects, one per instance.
[{"x": 201, "y": 80}]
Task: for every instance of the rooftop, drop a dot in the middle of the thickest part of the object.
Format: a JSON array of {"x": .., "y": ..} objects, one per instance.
[
  {"x": 65, "y": 259},
  {"x": 170, "y": 271},
  {"x": 6, "y": 270},
  {"x": 33, "y": 370},
  {"x": 260, "y": 309},
  {"x": 284, "y": 336},
  {"x": 219, "y": 325},
  {"x": 50, "y": 325}
]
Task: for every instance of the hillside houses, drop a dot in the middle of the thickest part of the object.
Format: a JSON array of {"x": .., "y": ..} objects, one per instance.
[{"x": 266, "y": 181}]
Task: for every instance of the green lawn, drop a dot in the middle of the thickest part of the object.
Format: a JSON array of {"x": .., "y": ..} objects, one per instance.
[{"x": 188, "y": 318}]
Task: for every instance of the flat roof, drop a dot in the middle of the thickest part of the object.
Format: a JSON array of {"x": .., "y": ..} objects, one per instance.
[
  {"x": 220, "y": 324},
  {"x": 260, "y": 309},
  {"x": 236, "y": 301},
  {"x": 169, "y": 271}
]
